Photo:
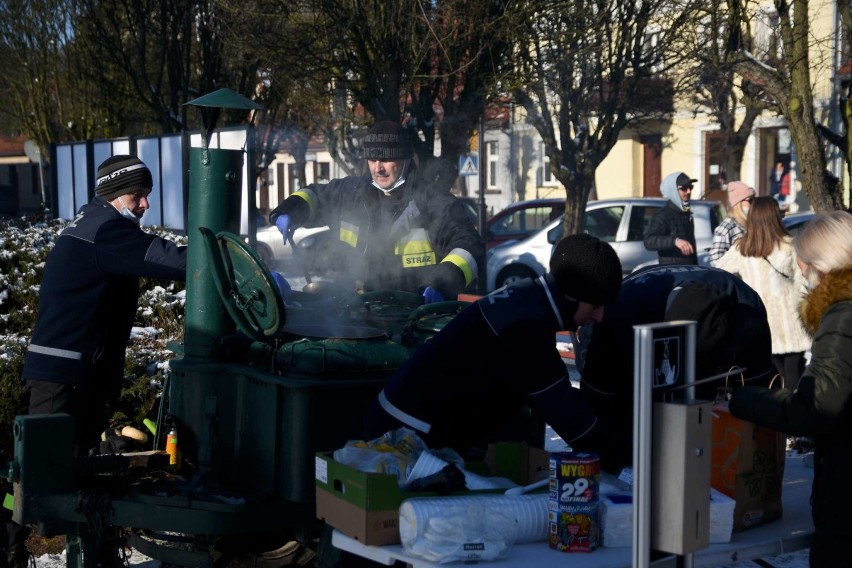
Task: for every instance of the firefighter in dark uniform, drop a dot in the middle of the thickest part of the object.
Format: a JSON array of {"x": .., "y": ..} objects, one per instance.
[
  {"x": 399, "y": 233},
  {"x": 499, "y": 354}
]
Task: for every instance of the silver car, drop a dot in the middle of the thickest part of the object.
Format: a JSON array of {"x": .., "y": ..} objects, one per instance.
[{"x": 620, "y": 222}]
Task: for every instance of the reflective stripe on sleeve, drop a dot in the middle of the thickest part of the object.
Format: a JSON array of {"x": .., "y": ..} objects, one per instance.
[
  {"x": 309, "y": 196},
  {"x": 402, "y": 416},
  {"x": 465, "y": 262},
  {"x": 349, "y": 234},
  {"x": 52, "y": 351}
]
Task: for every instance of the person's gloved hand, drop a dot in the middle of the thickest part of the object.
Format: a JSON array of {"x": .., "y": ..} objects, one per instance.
[
  {"x": 432, "y": 295},
  {"x": 283, "y": 286},
  {"x": 283, "y": 224}
]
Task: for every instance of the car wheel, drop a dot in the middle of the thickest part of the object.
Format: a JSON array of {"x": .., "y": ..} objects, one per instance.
[{"x": 512, "y": 274}]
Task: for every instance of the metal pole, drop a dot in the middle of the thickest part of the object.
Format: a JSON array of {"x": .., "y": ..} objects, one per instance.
[
  {"x": 688, "y": 559},
  {"x": 643, "y": 370},
  {"x": 482, "y": 268},
  {"x": 214, "y": 203}
]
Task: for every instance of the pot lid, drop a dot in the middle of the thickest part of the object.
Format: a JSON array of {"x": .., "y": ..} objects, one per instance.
[{"x": 247, "y": 290}]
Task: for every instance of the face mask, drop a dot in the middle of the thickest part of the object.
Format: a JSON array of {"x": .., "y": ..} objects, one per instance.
[
  {"x": 127, "y": 213},
  {"x": 746, "y": 209},
  {"x": 387, "y": 191},
  {"x": 398, "y": 183}
]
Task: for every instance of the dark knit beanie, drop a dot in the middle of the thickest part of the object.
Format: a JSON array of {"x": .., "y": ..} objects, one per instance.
[
  {"x": 710, "y": 307},
  {"x": 120, "y": 175},
  {"x": 387, "y": 140},
  {"x": 586, "y": 269}
]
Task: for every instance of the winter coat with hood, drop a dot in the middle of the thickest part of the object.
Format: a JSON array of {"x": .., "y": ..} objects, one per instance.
[
  {"x": 669, "y": 224},
  {"x": 407, "y": 240},
  {"x": 821, "y": 408}
]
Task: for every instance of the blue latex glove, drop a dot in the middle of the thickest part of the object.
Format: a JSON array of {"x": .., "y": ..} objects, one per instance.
[
  {"x": 283, "y": 286},
  {"x": 431, "y": 295},
  {"x": 283, "y": 224}
]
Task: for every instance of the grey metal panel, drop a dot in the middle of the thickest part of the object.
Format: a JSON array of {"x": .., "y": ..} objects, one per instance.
[
  {"x": 148, "y": 150},
  {"x": 64, "y": 183},
  {"x": 81, "y": 176},
  {"x": 171, "y": 172}
]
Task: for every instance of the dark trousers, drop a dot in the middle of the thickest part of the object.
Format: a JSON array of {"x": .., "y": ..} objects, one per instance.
[
  {"x": 791, "y": 366},
  {"x": 88, "y": 408}
]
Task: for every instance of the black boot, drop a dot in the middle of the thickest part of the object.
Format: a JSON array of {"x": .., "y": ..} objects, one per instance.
[{"x": 16, "y": 554}]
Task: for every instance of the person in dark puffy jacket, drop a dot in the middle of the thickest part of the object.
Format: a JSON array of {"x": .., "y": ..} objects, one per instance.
[
  {"x": 401, "y": 233},
  {"x": 732, "y": 331},
  {"x": 465, "y": 384},
  {"x": 671, "y": 231},
  {"x": 821, "y": 406}
]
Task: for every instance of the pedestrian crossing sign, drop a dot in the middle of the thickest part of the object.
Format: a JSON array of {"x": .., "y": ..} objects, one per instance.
[{"x": 468, "y": 166}]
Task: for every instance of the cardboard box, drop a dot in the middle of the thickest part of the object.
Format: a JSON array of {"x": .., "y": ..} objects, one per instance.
[
  {"x": 365, "y": 506},
  {"x": 519, "y": 462}
]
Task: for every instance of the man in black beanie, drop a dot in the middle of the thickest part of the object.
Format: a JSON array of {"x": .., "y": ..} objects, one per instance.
[
  {"x": 396, "y": 231},
  {"x": 87, "y": 305},
  {"x": 88, "y": 298},
  {"x": 499, "y": 354}
]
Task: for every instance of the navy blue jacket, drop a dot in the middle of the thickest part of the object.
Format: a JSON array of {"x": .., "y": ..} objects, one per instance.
[
  {"x": 89, "y": 294},
  {"x": 497, "y": 356}
]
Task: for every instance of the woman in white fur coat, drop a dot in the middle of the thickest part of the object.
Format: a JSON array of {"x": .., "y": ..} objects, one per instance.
[{"x": 764, "y": 259}]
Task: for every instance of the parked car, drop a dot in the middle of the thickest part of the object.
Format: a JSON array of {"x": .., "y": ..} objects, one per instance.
[
  {"x": 519, "y": 220},
  {"x": 795, "y": 221},
  {"x": 620, "y": 222},
  {"x": 313, "y": 244}
]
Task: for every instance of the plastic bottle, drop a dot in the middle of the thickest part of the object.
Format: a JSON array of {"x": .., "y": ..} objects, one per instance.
[{"x": 172, "y": 447}]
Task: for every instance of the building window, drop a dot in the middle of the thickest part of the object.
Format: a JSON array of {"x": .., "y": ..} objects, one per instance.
[
  {"x": 767, "y": 36},
  {"x": 652, "y": 51},
  {"x": 323, "y": 172},
  {"x": 270, "y": 176},
  {"x": 546, "y": 175},
  {"x": 293, "y": 178},
  {"x": 491, "y": 152}
]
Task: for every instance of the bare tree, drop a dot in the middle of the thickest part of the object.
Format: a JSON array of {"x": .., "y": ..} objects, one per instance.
[
  {"x": 48, "y": 95},
  {"x": 735, "y": 103},
  {"x": 154, "y": 55},
  {"x": 787, "y": 82},
  {"x": 843, "y": 139},
  {"x": 427, "y": 65},
  {"x": 587, "y": 72}
]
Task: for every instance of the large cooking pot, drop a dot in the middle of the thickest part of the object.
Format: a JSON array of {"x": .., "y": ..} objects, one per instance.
[{"x": 328, "y": 310}]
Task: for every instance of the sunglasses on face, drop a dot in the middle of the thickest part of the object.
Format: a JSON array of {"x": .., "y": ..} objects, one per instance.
[{"x": 684, "y": 188}]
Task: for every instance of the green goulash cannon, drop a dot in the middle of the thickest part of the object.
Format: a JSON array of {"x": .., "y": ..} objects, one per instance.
[{"x": 253, "y": 396}]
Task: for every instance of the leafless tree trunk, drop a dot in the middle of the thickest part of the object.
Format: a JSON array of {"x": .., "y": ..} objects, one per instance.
[{"x": 788, "y": 84}]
